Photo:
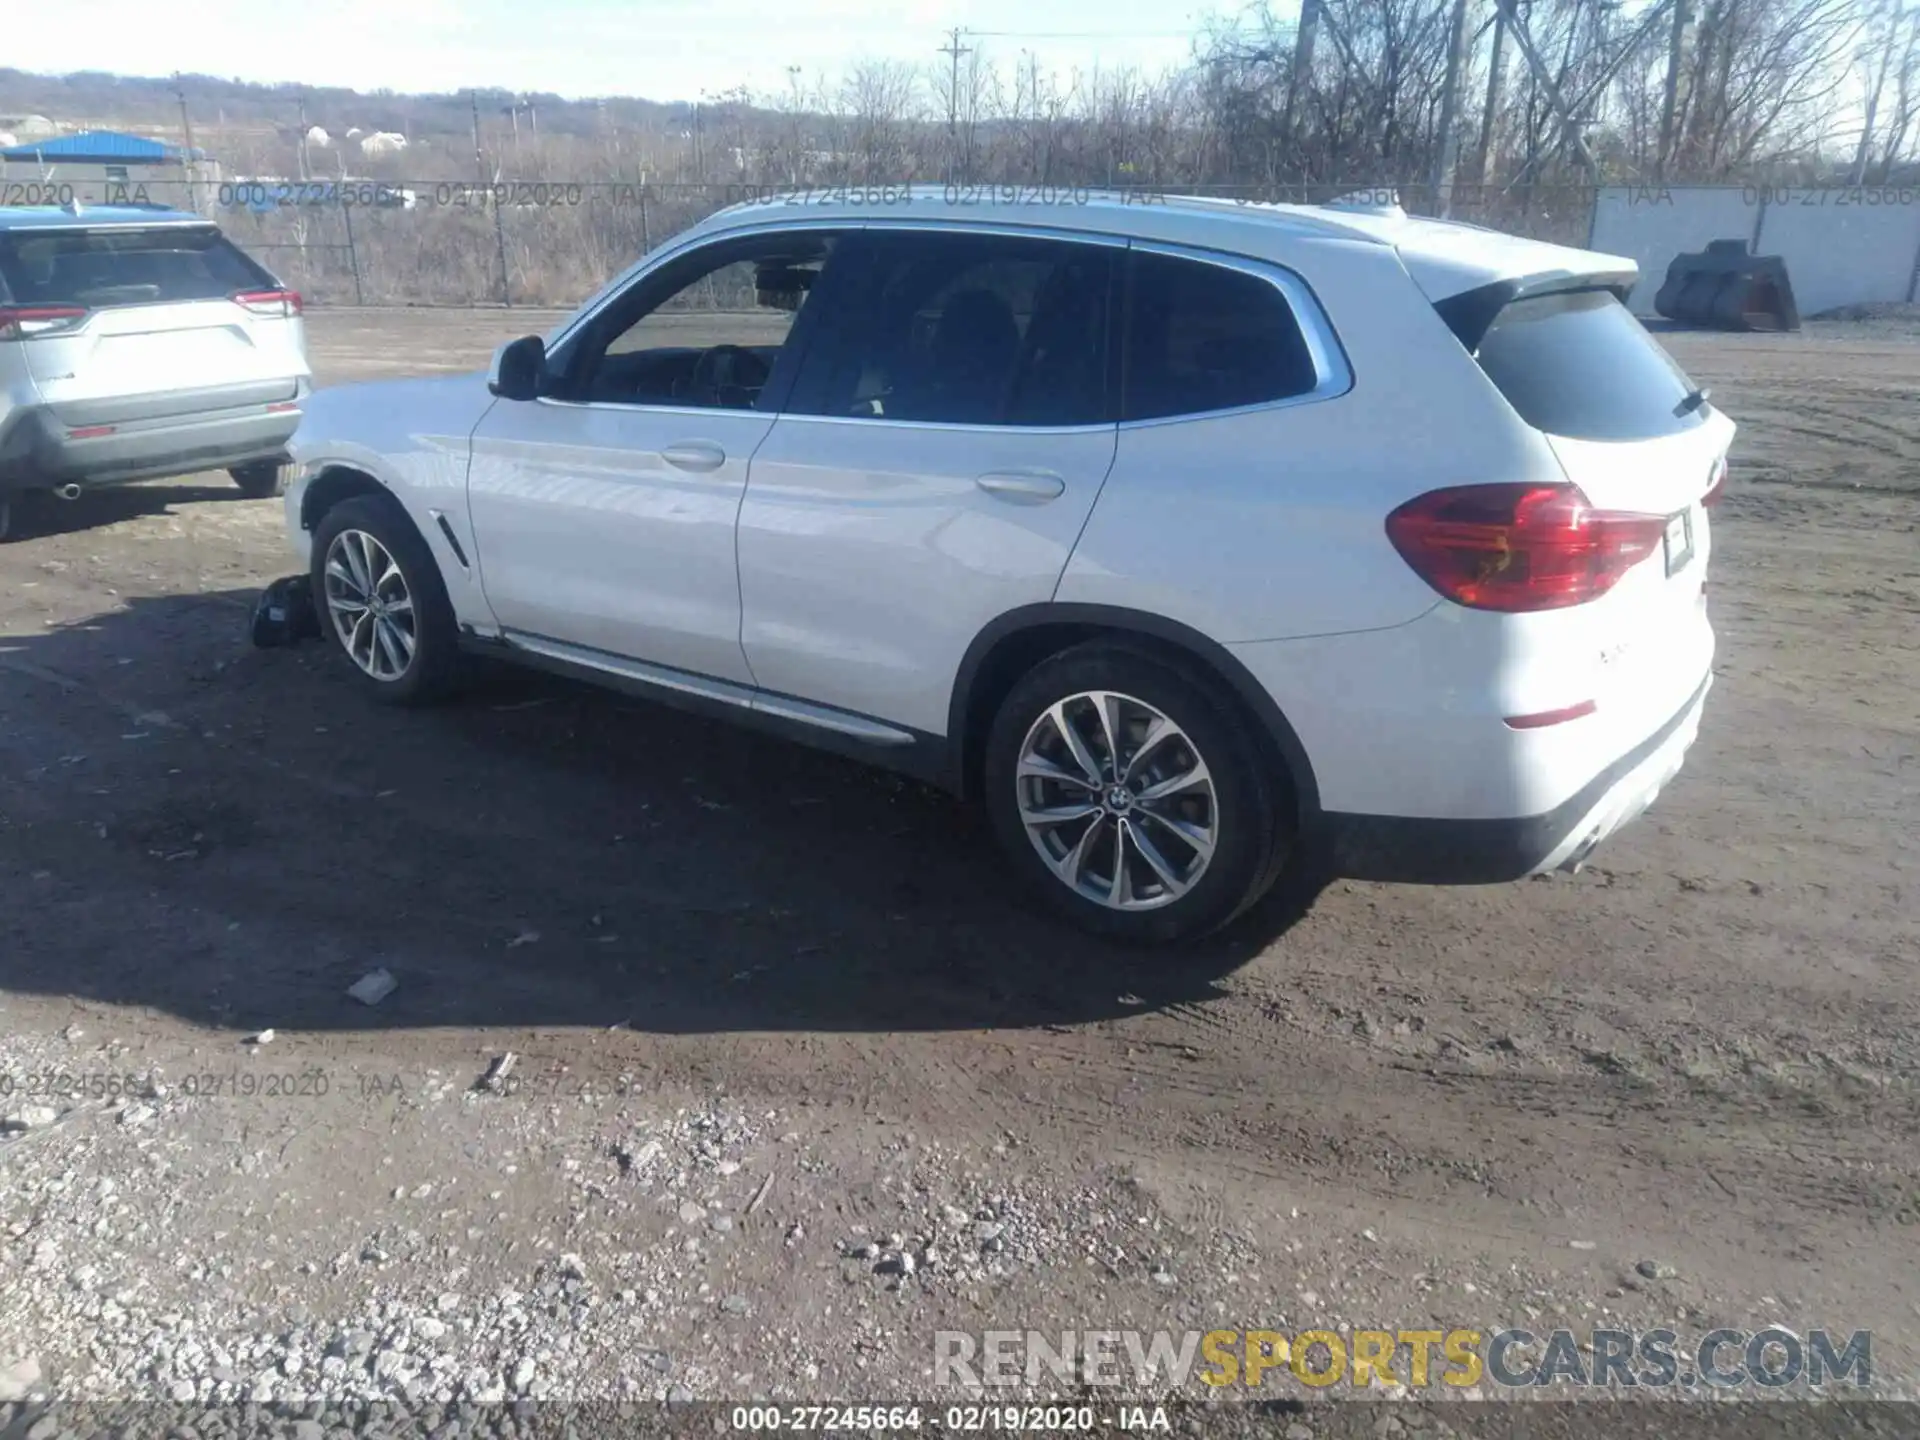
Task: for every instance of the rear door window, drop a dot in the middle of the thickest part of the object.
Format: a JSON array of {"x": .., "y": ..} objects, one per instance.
[
  {"x": 1579, "y": 364},
  {"x": 968, "y": 330},
  {"x": 1203, "y": 337},
  {"x": 130, "y": 266}
]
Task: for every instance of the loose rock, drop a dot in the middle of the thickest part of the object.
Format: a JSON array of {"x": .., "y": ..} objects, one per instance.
[{"x": 19, "y": 1380}]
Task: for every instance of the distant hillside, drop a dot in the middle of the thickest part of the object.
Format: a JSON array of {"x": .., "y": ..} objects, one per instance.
[{"x": 90, "y": 98}]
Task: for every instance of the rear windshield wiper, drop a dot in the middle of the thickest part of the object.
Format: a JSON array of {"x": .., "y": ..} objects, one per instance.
[{"x": 1695, "y": 399}]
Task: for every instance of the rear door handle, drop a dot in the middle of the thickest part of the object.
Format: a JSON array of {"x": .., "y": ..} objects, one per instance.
[
  {"x": 1023, "y": 487},
  {"x": 695, "y": 455}
]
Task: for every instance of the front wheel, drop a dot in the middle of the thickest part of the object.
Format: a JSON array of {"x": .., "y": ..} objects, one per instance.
[
  {"x": 1128, "y": 789},
  {"x": 382, "y": 603}
]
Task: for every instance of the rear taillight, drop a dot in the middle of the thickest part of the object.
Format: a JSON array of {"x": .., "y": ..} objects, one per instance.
[
  {"x": 1520, "y": 547},
  {"x": 25, "y": 322},
  {"x": 278, "y": 303},
  {"x": 1717, "y": 491}
]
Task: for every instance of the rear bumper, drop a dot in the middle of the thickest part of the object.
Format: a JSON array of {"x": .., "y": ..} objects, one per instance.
[
  {"x": 1424, "y": 851},
  {"x": 38, "y": 451}
]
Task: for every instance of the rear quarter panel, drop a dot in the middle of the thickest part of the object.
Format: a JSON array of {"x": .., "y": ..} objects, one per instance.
[{"x": 1270, "y": 523}]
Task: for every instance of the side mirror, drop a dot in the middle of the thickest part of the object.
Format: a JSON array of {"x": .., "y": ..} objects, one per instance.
[{"x": 519, "y": 369}]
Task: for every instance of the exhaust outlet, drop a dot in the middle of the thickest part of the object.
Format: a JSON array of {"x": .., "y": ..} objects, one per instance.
[{"x": 68, "y": 491}]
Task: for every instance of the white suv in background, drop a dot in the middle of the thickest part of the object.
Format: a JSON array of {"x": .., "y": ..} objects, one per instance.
[
  {"x": 137, "y": 344},
  {"x": 1191, "y": 537}
]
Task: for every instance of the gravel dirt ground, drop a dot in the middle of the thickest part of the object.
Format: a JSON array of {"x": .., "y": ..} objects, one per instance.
[{"x": 798, "y": 1083}]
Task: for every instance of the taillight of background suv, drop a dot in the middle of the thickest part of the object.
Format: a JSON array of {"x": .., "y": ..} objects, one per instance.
[{"x": 25, "y": 322}]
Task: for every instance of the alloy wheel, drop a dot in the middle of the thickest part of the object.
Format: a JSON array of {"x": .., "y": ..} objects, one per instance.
[
  {"x": 370, "y": 605},
  {"x": 1117, "y": 800}
]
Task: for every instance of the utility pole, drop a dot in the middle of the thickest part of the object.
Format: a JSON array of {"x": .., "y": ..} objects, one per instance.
[
  {"x": 699, "y": 160},
  {"x": 303, "y": 162},
  {"x": 479, "y": 156},
  {"x": 794, "y": 167},
  {"x": 186, "y": 127},
  {"x": 953, "y": 50},
  {"x": 1449, "y": 154}
]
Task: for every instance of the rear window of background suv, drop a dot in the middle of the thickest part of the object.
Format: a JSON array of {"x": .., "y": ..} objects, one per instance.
[
  {"x": 1578, "y": 364},
  {"x": 124, "y": 266}
]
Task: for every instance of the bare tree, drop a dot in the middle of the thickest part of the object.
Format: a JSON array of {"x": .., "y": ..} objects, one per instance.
[
  {"x": 879, "y": 102},
  {"x": 1906, "y": 95},
  {"x": 1762, "y": 81}
]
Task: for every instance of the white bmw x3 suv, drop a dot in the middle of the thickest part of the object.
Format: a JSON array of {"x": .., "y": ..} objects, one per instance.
[{"x": 1193, "y": 538}]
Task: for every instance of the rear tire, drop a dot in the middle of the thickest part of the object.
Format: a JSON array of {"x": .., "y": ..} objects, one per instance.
[
  {"x": 1164, "y": 843},
  {"x": 261, "y": 481},
  {"x": 18, "y": 510},
  {"x": 382, "y": 603}
]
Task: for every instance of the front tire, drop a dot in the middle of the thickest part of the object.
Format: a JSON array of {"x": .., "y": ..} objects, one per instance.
[
  {"x": 262, "y": 481},
  {"x": 1128, "y": 789},
  {"x": 382, "y": 603}
]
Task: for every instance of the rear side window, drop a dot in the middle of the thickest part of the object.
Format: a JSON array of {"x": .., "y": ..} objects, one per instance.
[
  {"x": 1578, "y": 364},
  {"x": 99, "y": 268},
  {"x": 1204, "y": 337},
  {"x": 967, "y": 329}
]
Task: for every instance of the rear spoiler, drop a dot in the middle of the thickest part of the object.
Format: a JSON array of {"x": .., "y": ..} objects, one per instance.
[{"x": 1469, "y": 313}]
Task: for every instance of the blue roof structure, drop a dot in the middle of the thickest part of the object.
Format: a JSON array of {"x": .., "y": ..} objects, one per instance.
[{"x": 101, "y": 147}]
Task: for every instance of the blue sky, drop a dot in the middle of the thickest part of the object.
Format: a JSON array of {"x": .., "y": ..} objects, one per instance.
[{"x": 652, "y": 48}]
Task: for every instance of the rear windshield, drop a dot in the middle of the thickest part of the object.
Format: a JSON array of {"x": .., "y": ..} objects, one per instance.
[
  {"x": 99, "y": 268},
  {"x": 1578, "y": 364}
]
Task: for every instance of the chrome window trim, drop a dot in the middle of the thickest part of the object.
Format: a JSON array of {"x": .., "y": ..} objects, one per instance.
[
  {"x": 638, "y": 408},
  {"x": 1003, "y": 230},
  {"x": 1323, "y": 343},
  {"x": 1105, "y": 427}
]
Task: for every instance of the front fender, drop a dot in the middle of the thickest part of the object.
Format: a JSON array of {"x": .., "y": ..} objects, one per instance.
[{"x": 411, "y": 439}]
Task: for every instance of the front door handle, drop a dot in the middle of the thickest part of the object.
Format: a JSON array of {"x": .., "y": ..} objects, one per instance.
[
  {"x": 1023, "y": 487},
  {"x": 695, "y": 455}
]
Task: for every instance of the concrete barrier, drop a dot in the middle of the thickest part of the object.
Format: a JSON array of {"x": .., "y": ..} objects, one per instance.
[{"x": 1842, "y": 246}]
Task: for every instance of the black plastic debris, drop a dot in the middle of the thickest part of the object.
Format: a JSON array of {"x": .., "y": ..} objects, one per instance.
[
  {"x": 284, "y": 613},
  {"x": 1725, "y": 288}
]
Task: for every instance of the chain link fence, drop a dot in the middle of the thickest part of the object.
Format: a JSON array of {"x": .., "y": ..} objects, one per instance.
[{"x": 545, "y": 243}]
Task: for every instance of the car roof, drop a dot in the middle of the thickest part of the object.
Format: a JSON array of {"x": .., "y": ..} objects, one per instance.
[
  {"x": 1444, "y": 257},
  {"x": 92, "y": 217}
]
